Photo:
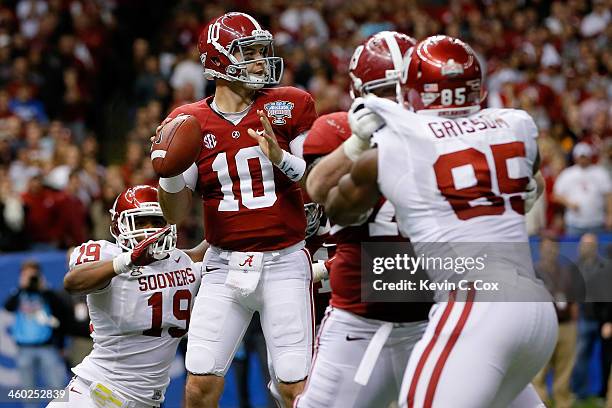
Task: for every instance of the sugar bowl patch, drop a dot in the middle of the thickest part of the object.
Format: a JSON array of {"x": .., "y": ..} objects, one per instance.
[{"x": 279, "y": 110}]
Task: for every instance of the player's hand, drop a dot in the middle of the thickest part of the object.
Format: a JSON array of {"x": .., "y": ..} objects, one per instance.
[
  {"x": 266, "y": 139},
  {"x": 363, "y": 121},
  {"x": 142, "y": 254},
  {"x": 532, "y": 195}
]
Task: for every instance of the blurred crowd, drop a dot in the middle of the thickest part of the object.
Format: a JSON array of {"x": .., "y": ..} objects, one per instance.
[{"x": 84, "y": 83}]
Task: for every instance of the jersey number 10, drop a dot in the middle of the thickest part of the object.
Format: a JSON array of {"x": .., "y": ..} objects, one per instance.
[{"x": 247, "y": 195}]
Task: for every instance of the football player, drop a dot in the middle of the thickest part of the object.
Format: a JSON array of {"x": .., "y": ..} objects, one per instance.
[
  {"x": 140, "y": 291},
  {"x": 247, "y": 175},
  {"x": 344, "y": 374},
  {"x": 458, "y": 174}
]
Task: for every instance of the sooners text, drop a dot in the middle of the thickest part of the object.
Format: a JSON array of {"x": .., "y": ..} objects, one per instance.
[{"x": 172, "y": 279}]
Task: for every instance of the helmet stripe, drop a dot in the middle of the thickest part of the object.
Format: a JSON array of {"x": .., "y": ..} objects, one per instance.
[
  {"x": 396, "y": 54},
  {"x": 255, "y": 23}
]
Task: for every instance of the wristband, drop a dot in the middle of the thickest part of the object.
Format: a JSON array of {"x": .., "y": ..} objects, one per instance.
[
  {"x": 292, "y": 166},
  {"x": 319, "y": 271},
  {"x": 172, "y": 185},
  {"x": 123, "y": 263},
  {"x": 354, "y": 146}
]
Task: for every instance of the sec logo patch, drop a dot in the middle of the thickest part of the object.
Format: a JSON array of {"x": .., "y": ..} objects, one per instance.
[{"x": 210, "y": 141}]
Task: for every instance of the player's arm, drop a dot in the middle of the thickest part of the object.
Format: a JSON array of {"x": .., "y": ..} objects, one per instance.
[
  {"x": 175, "y": 206},
  {"x": 175, "y": 195},
  {"x": 326, "y": 173},
  {"x": 356, "y": 192},
  {"x": 197, "y": 253},
  {"x": 89, "y": 277},
  {"x": 536, "y": 185}
]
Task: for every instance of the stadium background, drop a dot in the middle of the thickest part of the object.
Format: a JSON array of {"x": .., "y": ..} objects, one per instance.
[{"x": 84, "y": 83}]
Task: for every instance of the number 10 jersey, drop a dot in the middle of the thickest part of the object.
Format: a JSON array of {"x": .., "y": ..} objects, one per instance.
[{"x": 249, "y": 204}]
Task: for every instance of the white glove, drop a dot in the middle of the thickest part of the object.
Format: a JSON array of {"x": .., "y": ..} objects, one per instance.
[
  {"x": 363, "y": 121},
  {"x": 319, "y": 271},
  {"x": 532, "y": 195}
]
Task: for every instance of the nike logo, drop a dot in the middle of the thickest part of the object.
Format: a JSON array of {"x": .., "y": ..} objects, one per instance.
[
  {"x": 349, "y": 338},
  {"x": 209, "y": 269},
  {"x": 73, "y": 390},
  {"x": 177, "y": 259}
]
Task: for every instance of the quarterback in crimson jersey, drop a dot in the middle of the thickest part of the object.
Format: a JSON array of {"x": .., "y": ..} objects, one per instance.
[
  {"x": 249, "y": 204},
  {"x": 338, "y": 377},
  {"x": 247, "y": 175},
  {"x": 459, "y": 176}
]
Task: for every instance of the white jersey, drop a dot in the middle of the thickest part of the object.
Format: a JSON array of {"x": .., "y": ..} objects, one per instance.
[
  {"x": 459, "y": 180},
  {"x": 137, "y": 321}
]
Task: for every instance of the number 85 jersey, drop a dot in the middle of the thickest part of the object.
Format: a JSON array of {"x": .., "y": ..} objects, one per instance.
[
  {"x": 249, "y": 204},
  {"x": 137, "y": 321},
  {"x": 456, "y": 179}
]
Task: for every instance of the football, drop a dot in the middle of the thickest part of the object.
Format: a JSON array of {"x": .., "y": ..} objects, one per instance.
[{"x": 176, "y": 146}]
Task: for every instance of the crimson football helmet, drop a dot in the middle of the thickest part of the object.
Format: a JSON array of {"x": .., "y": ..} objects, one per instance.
[
  {"x": 134, "y": 202},
  {"x": 233, "y": 33},
  {"x": 377, "y": 63},
  {"x": 443, "y": 77}
]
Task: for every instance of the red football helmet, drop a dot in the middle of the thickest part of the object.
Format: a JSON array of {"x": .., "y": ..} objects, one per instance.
[
  {"x": 134, "y": 202},
  {"x": 377, "y": 63},
  {"x": 443, "y": 77},
  {"x": 233, "y": 33}
]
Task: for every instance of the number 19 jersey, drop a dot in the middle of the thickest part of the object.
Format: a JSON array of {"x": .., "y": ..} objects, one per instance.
[
  {"x": 249, "y": 204},
  {"x": 137, "y": 321}
]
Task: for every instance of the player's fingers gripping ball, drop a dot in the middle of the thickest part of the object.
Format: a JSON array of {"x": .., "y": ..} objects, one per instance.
[
  {"x": 363, "y": 121},
  {"x": 176, "y": 146}
]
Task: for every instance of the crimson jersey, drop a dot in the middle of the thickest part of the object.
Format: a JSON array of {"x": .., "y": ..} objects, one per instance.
[
  {"x": 249, "y": 204},
  {"x": 327, "y": 133}
]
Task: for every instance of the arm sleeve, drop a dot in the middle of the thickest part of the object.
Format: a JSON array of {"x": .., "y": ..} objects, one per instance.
[
  {"x": 92, "y": 251},
  {"x": 191, "y": 177},
  {"x": 296, "y": 146}
]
